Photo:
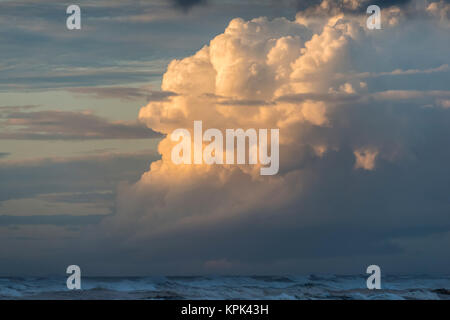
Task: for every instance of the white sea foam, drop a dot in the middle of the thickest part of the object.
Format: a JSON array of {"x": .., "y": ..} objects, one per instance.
[{"x": 267, "y": 287}]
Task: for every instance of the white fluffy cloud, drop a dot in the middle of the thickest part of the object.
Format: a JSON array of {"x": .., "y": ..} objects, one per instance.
[{"x": 303, "y": 77}]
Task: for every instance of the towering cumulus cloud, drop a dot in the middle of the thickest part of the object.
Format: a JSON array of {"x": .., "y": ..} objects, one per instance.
[{"x": 363, "y": 147}]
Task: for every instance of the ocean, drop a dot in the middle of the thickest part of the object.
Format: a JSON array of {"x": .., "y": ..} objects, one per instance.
[{"x": 339, "y": 287}]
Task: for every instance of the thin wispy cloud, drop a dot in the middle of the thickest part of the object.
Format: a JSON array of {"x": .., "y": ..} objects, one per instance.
[
  {"x": 123, "y": 93},
  {"x": 57, "y": 220},
  {"x": 69, "y": 125}
]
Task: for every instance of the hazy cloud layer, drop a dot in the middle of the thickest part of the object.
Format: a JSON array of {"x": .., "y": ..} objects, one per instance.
[
  {"x": 87, "y": 175},
  {"x": 66, "y": 193}
]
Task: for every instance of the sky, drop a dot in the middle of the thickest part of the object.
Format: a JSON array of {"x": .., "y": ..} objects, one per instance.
[{"x": 86, "y": 175}]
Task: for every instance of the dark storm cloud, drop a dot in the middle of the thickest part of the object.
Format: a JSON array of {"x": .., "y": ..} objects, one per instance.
[
  {"x": 188, "y": 4},
  {"x": 69, "y": 125},
  {"x": 404, "y": 199},
  {"x": 342, "y": 212}
]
